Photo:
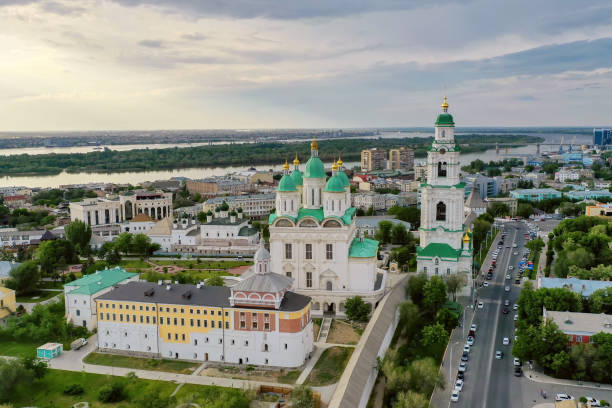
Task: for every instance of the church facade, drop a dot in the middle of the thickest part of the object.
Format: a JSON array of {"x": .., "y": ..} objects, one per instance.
[
  {"x": 314, "y": 239},
  {"x": 445, "y": 246}
]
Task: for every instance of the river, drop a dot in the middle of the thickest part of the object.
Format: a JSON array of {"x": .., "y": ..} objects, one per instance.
[{"x": 46, "y": 181}]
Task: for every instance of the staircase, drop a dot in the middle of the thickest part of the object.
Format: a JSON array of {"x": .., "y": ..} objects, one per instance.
[{"x": 324, "y": 330}]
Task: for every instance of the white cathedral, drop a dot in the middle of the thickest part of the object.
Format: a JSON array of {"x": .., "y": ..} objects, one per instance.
[
  {"x": 314, "y": 240},
  {"x": 445, "y": 244}
]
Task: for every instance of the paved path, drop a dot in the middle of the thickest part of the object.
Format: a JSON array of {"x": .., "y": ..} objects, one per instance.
[
  {"x": 28, "y": 306},
  {"x": 324, "y": 330},
  {"x": 540, "y": 377},
  {"x": 355, "y": 378}
]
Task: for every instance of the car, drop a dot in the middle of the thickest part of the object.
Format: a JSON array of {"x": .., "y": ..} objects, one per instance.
[
  {"x": 514, "y": 246},
  {"x": 510, "y": 267},
  {"x": 485, "y": 284},
  {"x": 506, "y": 302},
  {"x": 473, "y": 327},
  {"x": 480, "y": 305},
  {"x": 455, "y": 396},
  {"x": 466, "y": 348},
  {"x": 465, "y": 356},
  {"x": 489, "y": 276},
  {"x": 507, "y": 288},
  {"x": 470, "y": 341},
  {"x": 515, "y": 253},
  {"x": 518, "y": 371},
  {"x": 458, "y": 385},
  {"x": 508, "y": 276},
  {"x": 461, "y": 375},
  {"x": 499, "y": 355},
  {"x": 517, "y": 282},
  {"x": 516, "y": 317},
  {"x": 505, "y": 310},
  {"x": 515, "y": 307},
  {"x": 516, "y": 361},
  {"x": 462, "y": 367},
  {"x": 593, "y": 402},
  {"x": 563, "y": 397},
  {"x": 506, "y": 341}
]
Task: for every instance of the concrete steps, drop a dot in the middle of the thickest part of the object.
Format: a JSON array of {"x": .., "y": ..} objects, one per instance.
[{"x": 324, "y": 331}]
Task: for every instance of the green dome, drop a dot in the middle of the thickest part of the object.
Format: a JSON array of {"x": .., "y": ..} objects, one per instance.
[
  {"x": 314, "y": 168},
  {"x": 445, "y": 119},
  {"x": 297, "y": 177},
  {"x": 345, "y": 179},
  {"x": 286, "y": 184},
  {"x": 334, "y": 185}
]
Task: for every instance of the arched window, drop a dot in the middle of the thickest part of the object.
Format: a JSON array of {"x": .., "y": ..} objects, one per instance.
[
  {"x": 443, "y": 133},
  {"x": 328, "y": 285},
  {"x": 332, "y": 203},
  {"x": 437, "y": 261},
  {"x": 313, "y": 196},
  {"x": 441, "y": 169},
  {"x": 441, "y": 211}
]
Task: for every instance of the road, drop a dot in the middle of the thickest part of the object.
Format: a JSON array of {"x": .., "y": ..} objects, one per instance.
[{"x": 490, "y": 382}]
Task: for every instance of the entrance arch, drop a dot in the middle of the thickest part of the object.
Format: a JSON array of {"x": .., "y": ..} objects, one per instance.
[{"x": 129, "y": 213}]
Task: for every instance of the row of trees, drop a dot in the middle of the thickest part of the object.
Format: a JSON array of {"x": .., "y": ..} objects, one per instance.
[
  {"x": 389, "y": 233},
  {"x": 126, "y": 243}
]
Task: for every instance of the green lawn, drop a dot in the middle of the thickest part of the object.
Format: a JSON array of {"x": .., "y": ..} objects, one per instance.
[
  {"x": 203, "y": 264},
  {"x": 173, "y": 366},
  {"x": 51, "y": 285},
  {"x": 42, "y": 295},
  {"x": 18, "y": 348},
  {"x": 330, "y": 366},
  {"x": 208, "y": 396},
  {"x": 134, "y": 264},
  {"x": 290, "y": 377},
  {"x": 48, "y": 392}
]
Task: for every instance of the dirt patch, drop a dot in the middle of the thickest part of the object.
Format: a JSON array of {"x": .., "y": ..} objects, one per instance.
[
  {"x": 316, "y": 327},
  {"x": 343, "y": 332},
  {"x": 253, "y": 373}
]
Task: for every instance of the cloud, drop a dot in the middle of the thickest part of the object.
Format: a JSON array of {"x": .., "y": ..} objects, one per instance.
[
  {"x": 152, "y": 43},
  {"x": 194, "y": 37},
  {"x": 55, "y": 7}
]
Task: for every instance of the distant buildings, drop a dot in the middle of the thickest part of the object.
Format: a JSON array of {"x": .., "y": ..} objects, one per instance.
[
  {"x": 535, "y": 194},
  {"x": 474, "y": 203},
  {"x": 253, "y": 205},
  {"x": 599, "y": 210},
  {"x": 377, "y": 159},
  {"x": 217, "y": 186},
  {"x": 510, "y": 202},
  {"x": 377, "y": 201},
  {"x": 580, "y": 327},
  {"x": 368, "y": 225},
  {"x": 373, "y": 159},
  {"x": 401, "y": 159},
  {"x": 602, "y": 138},
  {"x": 589, "y": 194},
  {"x": 15, "y": 201},
  {"x": 583, "y": 287},
  {"x": 564, "y": 175},
  {"x": 12, "y": 237}
]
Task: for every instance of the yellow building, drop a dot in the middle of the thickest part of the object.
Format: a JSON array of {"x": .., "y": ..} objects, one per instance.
[
  {"x": 599, "y": 210},
  {"x": 8, "y": 303}
]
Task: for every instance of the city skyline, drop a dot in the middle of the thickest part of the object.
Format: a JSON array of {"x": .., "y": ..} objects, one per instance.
[{"x": 161, "y": 64}]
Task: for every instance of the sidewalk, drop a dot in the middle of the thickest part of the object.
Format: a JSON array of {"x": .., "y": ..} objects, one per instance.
[{"x": 537, "y": 376}]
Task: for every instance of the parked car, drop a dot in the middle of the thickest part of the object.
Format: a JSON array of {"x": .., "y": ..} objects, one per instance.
[
  {"x": 458, "y": 385},
  {"x": 563, "y": 397},
  {"x": 465, "y": 356},
  {"x": 593, "y": 402},
  {"x": 506, "y": 341},
  {"x": 480, "y": 305},
  {"x": 473, "y": 327},
  {"x": 462, "y": 366},
  {"x": 507, "y": 288},
  {"x": 518, "y": 371},
  {"x": 517, "y": 362},
  {"x": 470, "y": 341},
  {"x": 515, "y": 307},
  {"x": 466, "y": 348},
  {"x": 455, "y": 396},
  {"x": 78, "y": 343},
  {"x": 506, "y": 302},
  {"x": 461, "y": 375},
  {"x": 485, "y": 284},
  {"x": 499, "y": 355}
]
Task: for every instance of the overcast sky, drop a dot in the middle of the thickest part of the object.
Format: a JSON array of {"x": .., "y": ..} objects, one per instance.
[{"x": 185, "y": 64}]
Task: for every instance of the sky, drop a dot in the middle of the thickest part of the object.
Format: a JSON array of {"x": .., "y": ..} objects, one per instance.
[{"x": 246, "y": 64}]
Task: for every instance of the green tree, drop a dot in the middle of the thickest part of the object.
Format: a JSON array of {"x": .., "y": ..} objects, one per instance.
[
  {"x": 535, "y": 245},
  {"x": 447, "y": 318},
  {"x": 415, "y": 288},
  {"x": 141, "y": 245},
  {"x": 13, "y": 373},
  {"x": 425, "y": 375},
  {"x": 356, "y": 309},
  {"x": 39, "y": 368},
  {"x": 123, "y": 243},
  {"x": 499, "y": 210},
  {"x": 411, "y": 215},
  {"x": 433, "y": 334},
  {"x": 113, "y": 392},
  {"x": 54, "y": 254},
  {"x": 215, "y": 281},
  {"x": 410, "y": 318},
  {"x": 403, "y": 255},
  {"x": 24, "y": 278},
  {"x": 493, "y": 172},
  {"x": 302, "y": 397},
  {"x": 154, "y": 397},
  {"x": 524, "y": 210},
  {"x": 600, "y": 301},
  {"x": 399, "y": 235},
  {"x": 455, "y": 283},
  {"x": 410, "y": 399},
  {"x": 79, "y": 235},
  {"x": 110, "y": 253},
  {"x": 434, "y": 295},
  {"x": 384, "y": 232}
]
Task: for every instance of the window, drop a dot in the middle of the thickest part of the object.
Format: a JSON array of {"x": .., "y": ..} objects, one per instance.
[
  {"x": 285, "y": 346},
  {"x": 309, "y": 279},
  {"x": 227, "y": 325},
  {"x": 328, "y": 285},
  {"x": 448, "y": 271},
  {"x": 182, "y": 321},
  {"x": 78, "y": 312},
  {"x": 141, "y": 319},
  {"x": 308, "y": 251},
  {"x": 329, "y": 251},
  {"x": 176, "y": 321},
  {"x": 246, "y": 343},
  {"x": 441, "y": 211},
  {"x": 183, "y": 337},
  {"x": 147, "y": 319},
  {"x": 441, "y": 169},
  {"x": 191, "y": 322},
  {"x": 579, "y": 339},
  {"x": 288, "y": 251},
  {"x": 168, "y": 336},
  {"x": 436, "y": 271},
  {"x": 212, "y": 324},
  {"x": 175, "y": 336},
  {"x": 425, "y": 269}
]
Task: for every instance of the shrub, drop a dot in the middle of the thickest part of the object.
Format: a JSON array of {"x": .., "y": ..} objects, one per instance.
[
  {"x": 604, "y": 403},
  {"x": 73, "y": 389},
  {"x": 114, "y": 392}
]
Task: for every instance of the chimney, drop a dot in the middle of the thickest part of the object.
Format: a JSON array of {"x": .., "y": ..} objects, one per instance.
[{"x": 168, "y": 287}]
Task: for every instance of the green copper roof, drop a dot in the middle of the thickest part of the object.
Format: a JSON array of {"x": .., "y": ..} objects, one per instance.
[
  {"x": 286, "y": 184},
  {"x": 459, "y": 185},
  {"x": 344, "y": 177},
  {"x": 316, "y": 214},
  {"x": 445, "y": 119},
  {"x": 436, "y": 249},
  {"x": 363, "y": 249},
  {"x": 296, "y": 175},
  {"x": 334, "y": 185},
  {"x": 90, "y": 284},
  {"x": 314, "y": 168}
]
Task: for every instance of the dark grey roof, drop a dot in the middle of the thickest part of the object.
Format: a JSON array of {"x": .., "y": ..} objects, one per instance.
[
  {"x": 215, "y": 296},
  {"x": 264, "y": 282}
]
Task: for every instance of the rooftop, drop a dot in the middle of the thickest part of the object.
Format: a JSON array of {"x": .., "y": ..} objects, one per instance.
[
  {"x": 6, "y": 267},
  {"x": 163, "y": 227},
  {"x": 366, "y": 248},
  {"x": 317, "y": 214},
  {"x": 581, "y": 323},
  {"x": 580, "y": 286},
  {"x": 534, "y": 191},
  {"x": 183, "y": 294},
  {"x": 90, "y": 284},
  {"x": 228, "y": 199},
  {"x": 264, "y": 282},
  {"x": 437, "y": 249}
]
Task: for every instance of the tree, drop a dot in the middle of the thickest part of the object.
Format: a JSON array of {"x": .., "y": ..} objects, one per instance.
[
  {"x": 425, "y": 375},
  {"x": 399, "y": 235},
  {"x": 499, "y": 210},
  {"x": 481, "y": 228},
  {"x": 24, "y": 278},
  {"x": 215, "y": 281},
  {"x": 411, "y": 215},
  {"x": 79, "y": 235},
  {"x": 410, "y": 318},
  {"x": 371, "y": 211},
  {"x": 434, "y": 295},
  {"x": 415, "y": 288},
  {"x": 39, "y": 368},
  {"x": 13, "y": 373},
  {"x": 360, "y": 212},
  {"x": 384, "y": 232},
  {"x": 153, "y": 397},
  {"x": 403, "y": 255},
  {"x": 141, "y": 244},
  {"x": 110, "y": 253},
  {"x": 123, "y": 243},
  {"x": 113, "y": 392},
  {"x": 302, "y": 397},
  {"x": 54, "y": 254},
  {"x": 447, "y": 318},
  {"x": 493, "y": 172},
  {"x": 455, "y": 283},
  {"x": 524, "y": 210},
  {"x": 433, "y": 334},
  {"x": 410, "y": 399},
  {"x": 535, "y": 245},
  {"x": 600, "y": 301},
  {"x": 356, "y": 309}
]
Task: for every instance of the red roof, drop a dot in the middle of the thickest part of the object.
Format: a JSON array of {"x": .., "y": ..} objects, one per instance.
[
  {"x": 14, "y": 198},
  {"x": 238, "y": 270}
]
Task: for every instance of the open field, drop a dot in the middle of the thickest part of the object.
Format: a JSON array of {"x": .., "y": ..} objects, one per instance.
[
  {"x": 38, "y": 297},
  {"x": 253, "y": 373},
  {"x": 18, "y": 348},
  {"x": 172, "y": 366},
  {"x": 342, "y": 332},
  {"x": 330, "y": 366}
]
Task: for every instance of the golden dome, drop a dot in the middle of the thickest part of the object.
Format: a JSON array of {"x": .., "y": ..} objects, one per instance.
[
  {"x": 466, "y": 238},
  {"x": 286, "y": 165},
  {"x": 340, "y": 163},
  {"x": 335, "y": 166},
  {"x": 296, "y": 161},
  {"x": 444, "y": 104},
  {"x": 314, "y": 145}
]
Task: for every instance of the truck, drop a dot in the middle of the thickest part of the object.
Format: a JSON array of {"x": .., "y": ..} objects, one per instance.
[{"x": 78, "y": 343}]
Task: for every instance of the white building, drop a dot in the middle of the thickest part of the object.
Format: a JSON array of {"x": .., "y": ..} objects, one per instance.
[
  {"x": 140, "y": 224},
  {"x": 370, "y": 199},
  {"x": 368, "y": 225},
  {"x": 564, "y": 175},
  {"x": 445, "y": 243},
  {"x": 258, "y": 321},
  {"x": 313, "y": 238},
  {"x": 80, "y": 294},
  {"x": 252, "y": 205}
]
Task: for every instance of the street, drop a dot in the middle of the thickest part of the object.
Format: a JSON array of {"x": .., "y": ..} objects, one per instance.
[{"x": 490, "y": 382}]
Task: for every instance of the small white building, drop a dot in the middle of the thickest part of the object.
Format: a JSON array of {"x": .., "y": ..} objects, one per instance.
[
  {"x": 368, "y": 226},
  {"x": 564, "y": 175},
  {"x": 80, "y": 294},
  {"x": 140, "y": 224}
]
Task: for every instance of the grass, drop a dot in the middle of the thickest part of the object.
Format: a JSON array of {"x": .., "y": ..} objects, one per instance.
[
  {"x": 48, "y": 392},
  {"x": 18, "y": 348},
  {"x": 290, "y": 377},
  {"x": 192, "y": 276},
  {"x": 43, "y": 295},
  {"x": 51, "y": 285},
  {"x": 134, "y": 264},
  {"x": 214, "y": 396},
  {"x": 203, "y": 264},
  {"x": 535, "y": 257},
  {"x": 172, "y": 366},
  {"x": 330, "y": 366}
]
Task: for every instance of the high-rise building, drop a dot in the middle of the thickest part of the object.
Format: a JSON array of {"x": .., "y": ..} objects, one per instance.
[
  {"x": 373, "y": 159},
  {"x": 602, "y": 137},
  {"x": 401, "y": 159},
  {"x": 445, "y": 246}
]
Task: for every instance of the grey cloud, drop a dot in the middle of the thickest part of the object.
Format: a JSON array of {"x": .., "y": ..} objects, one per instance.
[
  {"x": 194, "y": 37},
  {"x": 62, "y": 8},
  {"x": 151, "y": 43},
  {"x": 527, "y": 98}
]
